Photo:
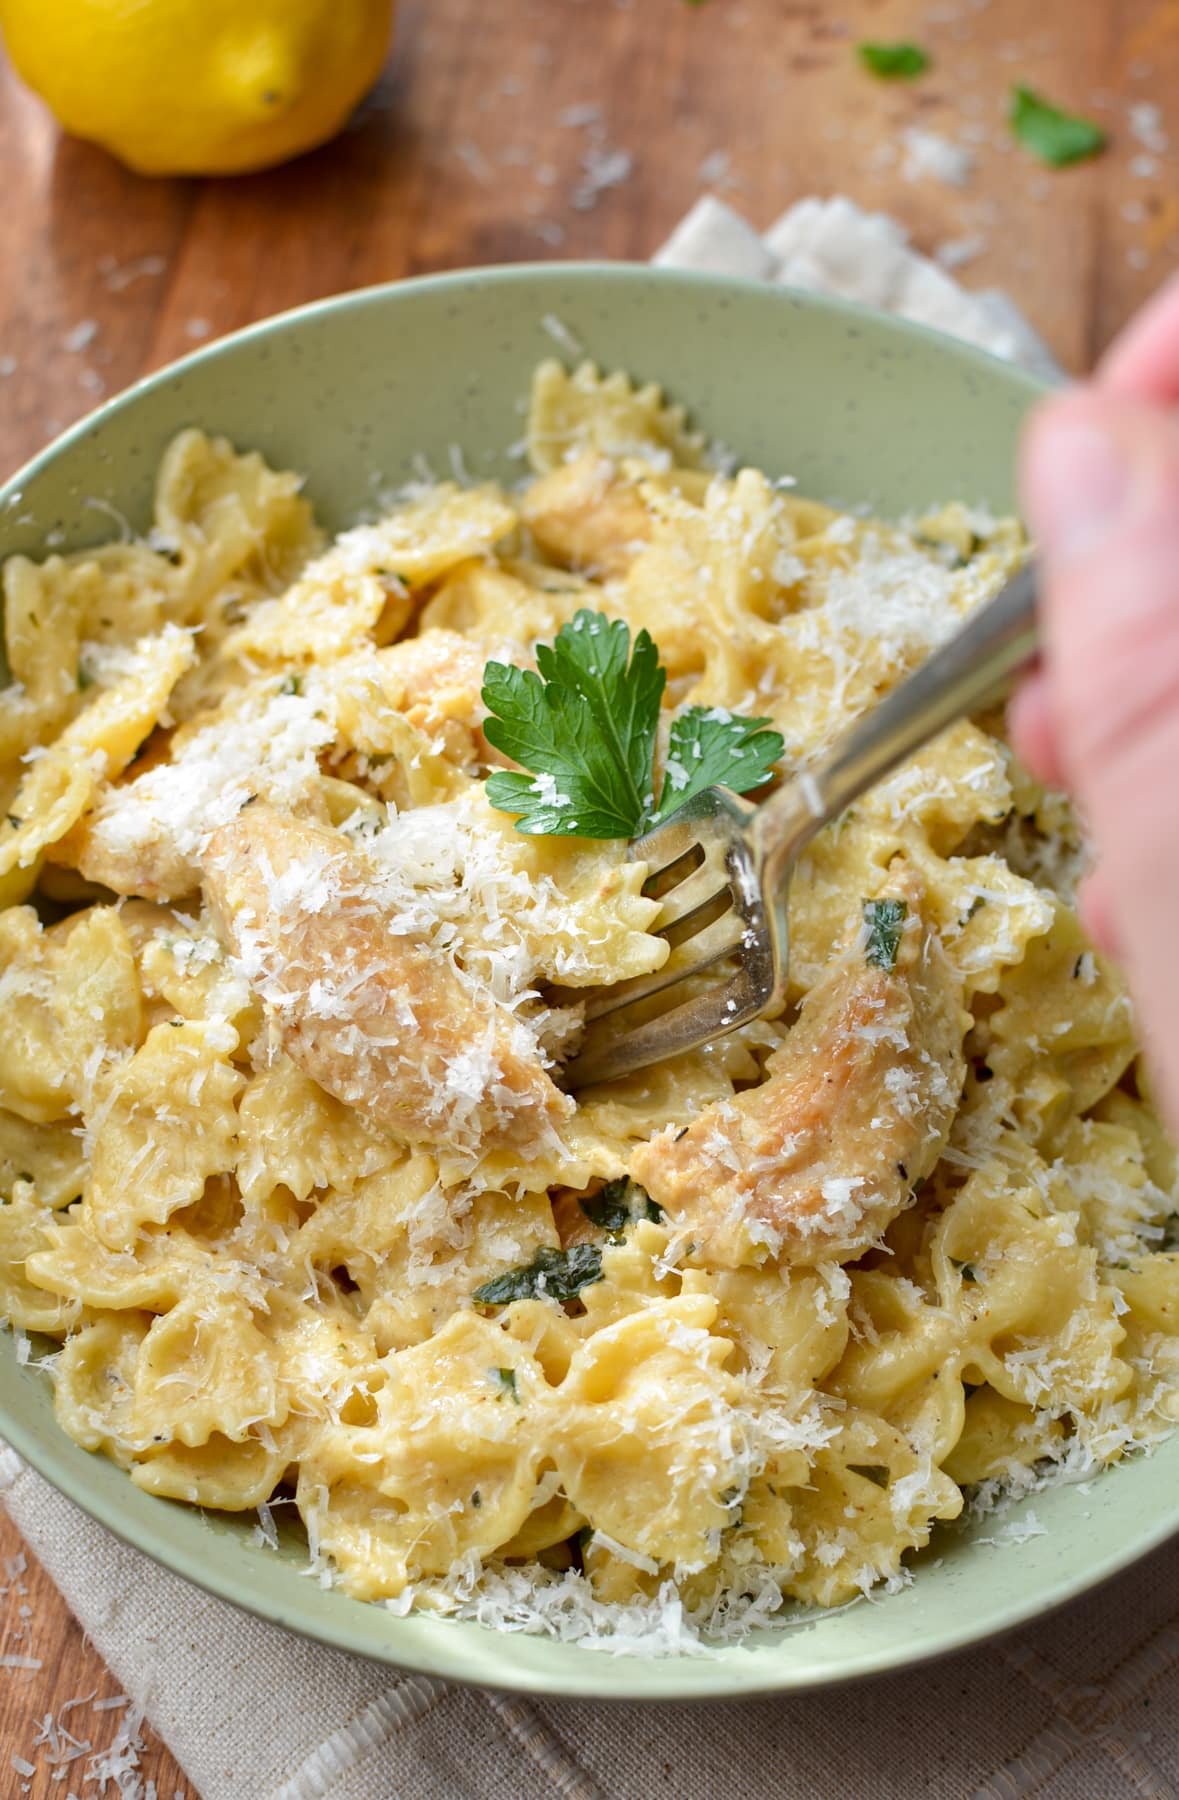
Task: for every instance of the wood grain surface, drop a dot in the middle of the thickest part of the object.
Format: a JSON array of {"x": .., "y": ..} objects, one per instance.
[{"x": 571, "y": 128}]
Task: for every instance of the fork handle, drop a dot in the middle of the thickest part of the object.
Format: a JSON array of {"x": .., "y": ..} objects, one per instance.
[{"x": 960, "y": 678}]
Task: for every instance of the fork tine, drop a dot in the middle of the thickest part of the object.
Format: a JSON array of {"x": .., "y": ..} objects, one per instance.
[
  {"x": 688, "y": 925},
  {"x": 700, "y": 953},
  {"x": 606, "y": 1055}
]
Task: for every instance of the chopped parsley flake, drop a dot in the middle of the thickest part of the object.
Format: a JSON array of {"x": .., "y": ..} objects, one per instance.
[
  {"x": 505, "y": 1381},
  {"x": 619, "y": 1204},
  {"x": 885, "y": 920},
  {"x": 893, "y": 61},
  {"x": 551, "y": 1275},
  {"x": 1057, "y": 138}
]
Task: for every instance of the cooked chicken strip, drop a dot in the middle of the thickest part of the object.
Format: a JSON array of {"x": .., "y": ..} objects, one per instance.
[
  {"x": 380, "y": 1019},
  {"x": 856, "y": 1108}
]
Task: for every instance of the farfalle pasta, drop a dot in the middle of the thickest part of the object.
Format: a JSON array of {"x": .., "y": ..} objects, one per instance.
[{"x": 287, "y": 1165}]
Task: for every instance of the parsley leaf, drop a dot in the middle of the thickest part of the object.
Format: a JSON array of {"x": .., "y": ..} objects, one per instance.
[
  {"x": 619, "y": 1204},
  {"x": 885, "y": 920},
  {"x": 551, "y": 1275},
  {"x": 1056, "y": 137},
  {"x": 893, "y": 60},
  {"x": 583, "y": 728},
  {"x": 709, "y": 746}
]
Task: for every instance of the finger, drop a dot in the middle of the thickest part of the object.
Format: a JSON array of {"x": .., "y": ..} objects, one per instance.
[
  {"x": 1101, "y": 489},
  {"x": 1100, "y": 482},
  {"x": 1032, "y": 724},
  {"x": 1143, "y": 363}
]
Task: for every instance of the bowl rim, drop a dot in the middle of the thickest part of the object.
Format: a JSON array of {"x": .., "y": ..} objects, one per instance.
[
  {"x": 509, "y": 275},
  {"x": 729, "y": 1678}
]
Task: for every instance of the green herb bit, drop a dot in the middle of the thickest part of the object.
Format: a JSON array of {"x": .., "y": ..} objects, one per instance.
[
  {"x": 873, "y": 1472},
  {"x": 709, "y": 747},
  {"x": 85, "y": 678},
  {"x": 885, "y": 920},
  {"x": 893, "y": 61},
  {"x": 583, "y": 729},
  {"x": 619, "y": 1204},
  {"x": 1057, "y": 138},
  {"x": 505, "y": 1381},
  {"x": 551, "y": 1275},
  {"x": 292, "y": 685}
]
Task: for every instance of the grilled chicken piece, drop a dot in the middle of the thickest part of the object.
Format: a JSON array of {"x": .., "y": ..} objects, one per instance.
[
  {"x": 436, "y": 682},
  {"x": 586, "y": 517},
  {"x": 856, "y": 1108},
  {"x": 380, "y": 1019}
]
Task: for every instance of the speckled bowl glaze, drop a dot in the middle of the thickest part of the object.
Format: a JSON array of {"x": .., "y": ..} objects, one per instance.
[{"x": 861, "y": 409}]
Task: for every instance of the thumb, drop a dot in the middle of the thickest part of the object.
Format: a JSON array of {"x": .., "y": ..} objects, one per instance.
[{"x": 1100, "y": 482}]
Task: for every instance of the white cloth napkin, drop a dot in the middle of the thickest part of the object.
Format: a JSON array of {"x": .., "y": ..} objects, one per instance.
[{"x": 1084, "y": 1706}]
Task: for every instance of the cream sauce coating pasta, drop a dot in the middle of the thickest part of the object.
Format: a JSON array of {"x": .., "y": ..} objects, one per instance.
[{"x": 285, "y": 1161}]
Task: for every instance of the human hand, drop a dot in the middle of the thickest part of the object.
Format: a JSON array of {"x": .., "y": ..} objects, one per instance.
[{"x": 1099, "y": 477}]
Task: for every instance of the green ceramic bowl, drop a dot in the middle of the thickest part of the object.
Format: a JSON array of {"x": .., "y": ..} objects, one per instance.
[{"x": 860, "y": 409}]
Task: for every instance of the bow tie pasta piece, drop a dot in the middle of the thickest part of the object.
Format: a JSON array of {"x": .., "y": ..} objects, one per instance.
[
  {"x": 205, "y": 1367},
  {"x": 95, "y": 1399},
  {"x": 94, "y": 747},
  {"x": 295, "y": 1135},
  {"x": 958, "y": 782},
  {"x": 789, "y": 1326},
  {"x": 22, "y": 1232},
  {"x": 72, "y": 1262},
  {"x": 326, "y": 1363},
  {"x": 869, "y": 1498},
  {"x": 506, "y": 606},
  {"x": 1064, "y": 1035},
  {"x": 572, "y": 413},
  {"x": 372, "y": 1016},
  {"x": 854, "y": 610},
  {"x": 50, "y": 1158},
  {"x": 42, "y": 632},
  {"x": 450, "y": 1467},
  {"x": 221, "y": 1474},
  {"x": 902, "y": 1362},
  {"x": 94, "y": 1384},
  {"x": 1100, "y": 1170},
  {"x": 649, "y": 1436},
  {"x": 1034, "y": 1319},
  {"x": 1158, "y": 1153},
  {"x": 161, "y": 1125},
  {"x": 984, "y": 913},
  {"x": 238, "y": 529},
  {"x": 1001, "y": 1437},
  {"x": 857, "y": 1105},
  {"x": 1149, "y": 1285},
  {"x": 71, "y": 1005},
  {"x": 705, "y": 585}
]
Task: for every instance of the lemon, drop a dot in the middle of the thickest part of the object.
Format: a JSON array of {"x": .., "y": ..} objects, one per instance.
[{"x": 199, "y": 87}]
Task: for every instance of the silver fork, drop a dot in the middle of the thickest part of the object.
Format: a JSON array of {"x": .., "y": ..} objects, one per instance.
[{"x": 722, "y": 865}]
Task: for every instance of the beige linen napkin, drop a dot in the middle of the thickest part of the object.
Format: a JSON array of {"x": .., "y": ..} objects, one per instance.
[{"x": 1082, "y": 1707}]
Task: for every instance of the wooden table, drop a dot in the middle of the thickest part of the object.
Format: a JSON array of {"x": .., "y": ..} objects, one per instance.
[{"x": 576, "y": 128}]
